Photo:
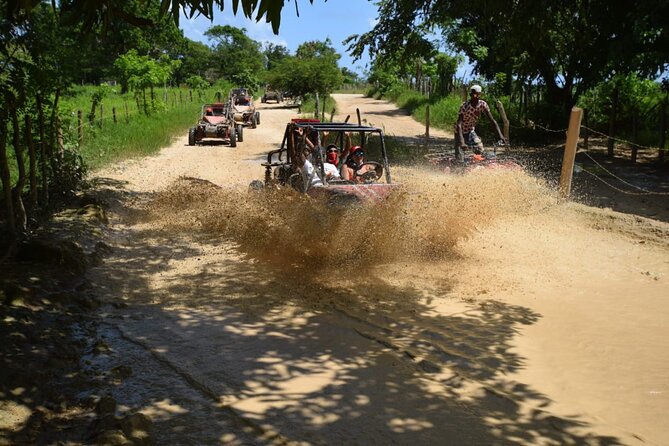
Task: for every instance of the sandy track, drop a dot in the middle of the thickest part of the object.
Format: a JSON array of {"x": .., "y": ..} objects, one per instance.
[{"x": 544, "y": 325}]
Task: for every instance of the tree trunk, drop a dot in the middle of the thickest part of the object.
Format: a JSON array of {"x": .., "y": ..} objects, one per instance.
[
  {"x": 54, "y": 158},
  {"x": 663, "y": 129},
  {"x": 32, "y": 165},
  {"x": 612, "y": 122},
  {"x": 4, "y": 176},
  {"x": 635, "y": 134},
  {"x": 20, "y": 211},
  {"x": 42, "y": 152},
  {"x": 91, "y": 115}
]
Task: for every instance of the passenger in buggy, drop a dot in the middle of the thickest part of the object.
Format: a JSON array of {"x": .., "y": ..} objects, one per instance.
[{"x": 331, "y": 164}]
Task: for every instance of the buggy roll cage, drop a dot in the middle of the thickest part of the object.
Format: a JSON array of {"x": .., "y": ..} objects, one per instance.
[{"x": 292, "y": 144}]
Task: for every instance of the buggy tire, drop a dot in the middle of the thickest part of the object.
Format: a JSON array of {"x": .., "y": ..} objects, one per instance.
[
  {"x": 240, "y": 133},
  {"x": 233, "y": 137},
  {"x": 191, "y": 136},
  {"x": 254, "y": 124},
  {"x": 257, "y": 116}
]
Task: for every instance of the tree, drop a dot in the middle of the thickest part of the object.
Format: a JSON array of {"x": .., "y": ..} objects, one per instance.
[
  {"x": 142, "y": 72},
  {"x": 234, "y": 51},
  {"x": 312, "y": 70},
  {"x": 567, "y": 46},
  {"x": 196, "y": 58},
  {"x": 274, "y": 54}
]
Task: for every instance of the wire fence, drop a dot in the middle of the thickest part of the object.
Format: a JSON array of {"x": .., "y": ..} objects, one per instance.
[
  {"x": 103, "y": 116},
  {"x": 638, "y": 190},
  {"x": 585, "y": 152}
]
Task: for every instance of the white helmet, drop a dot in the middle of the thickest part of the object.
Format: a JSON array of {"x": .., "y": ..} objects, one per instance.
[{"x": 476, "y": 88}]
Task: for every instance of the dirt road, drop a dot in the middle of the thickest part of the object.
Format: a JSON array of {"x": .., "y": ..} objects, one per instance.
[{"x": 471, "y": 310}]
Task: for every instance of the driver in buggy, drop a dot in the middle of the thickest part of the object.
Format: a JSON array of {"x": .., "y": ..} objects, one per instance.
[
  {"x": 465, "y": 131},
  {"x": 355, "y": 167}
]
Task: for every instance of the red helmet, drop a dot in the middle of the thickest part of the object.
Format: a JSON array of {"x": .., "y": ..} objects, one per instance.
[
  {"x": 209, "y": 110},
  {"x": 357, "y": 150}
]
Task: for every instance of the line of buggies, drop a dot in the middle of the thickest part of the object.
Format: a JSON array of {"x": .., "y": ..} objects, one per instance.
[{"x": 225, "y": 121}]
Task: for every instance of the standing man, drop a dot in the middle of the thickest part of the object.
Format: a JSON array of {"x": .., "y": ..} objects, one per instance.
[{"x": 465, "y": 132}]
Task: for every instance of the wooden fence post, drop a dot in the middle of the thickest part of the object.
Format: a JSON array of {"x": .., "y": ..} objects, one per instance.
[
  {"x": 635, "y": 134},
  {"x": 586, "y": 134},
  {"x": 570, "y": 152},
  {"x": 505, "y": 120},
  {"x": 663, "y": 129},
  {"x": 323, "y": 111},
  {"x": 59, "y": 138},
  {"x": 427, "y": 125},
  {"x": 612, "y": 123},
  {"x": 318, "y": 104},
  {"x": 80, "y": 128},
  {"x": 114, "y": 114}
]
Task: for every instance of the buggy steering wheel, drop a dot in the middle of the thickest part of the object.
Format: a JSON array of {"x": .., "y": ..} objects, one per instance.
[{"x": 370, "y": 176}]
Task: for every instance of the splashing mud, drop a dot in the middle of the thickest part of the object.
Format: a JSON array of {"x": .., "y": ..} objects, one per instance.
[{"x": 424, "y": 220}]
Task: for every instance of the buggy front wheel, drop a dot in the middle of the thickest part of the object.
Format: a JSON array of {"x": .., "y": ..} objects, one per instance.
[{"x": 233, "y": 137}]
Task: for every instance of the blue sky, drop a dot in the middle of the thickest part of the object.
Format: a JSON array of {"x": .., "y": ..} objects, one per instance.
[{"x": 336, "y": 19}]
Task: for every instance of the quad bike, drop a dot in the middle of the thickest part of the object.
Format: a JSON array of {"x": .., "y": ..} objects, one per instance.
[{"x": 448, "y": 163}]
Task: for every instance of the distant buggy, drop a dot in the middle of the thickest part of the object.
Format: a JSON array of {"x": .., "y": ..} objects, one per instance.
[
  {"x": 243, "y": 108},
  {"x": 271, "y": 95},
  {"x": 216, "y": 121}
]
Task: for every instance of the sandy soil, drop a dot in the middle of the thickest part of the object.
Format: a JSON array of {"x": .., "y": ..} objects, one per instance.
[{"x": 469, "y": 310}]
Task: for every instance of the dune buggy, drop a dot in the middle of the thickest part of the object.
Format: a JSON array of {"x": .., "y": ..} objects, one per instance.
[
  {"x": 285, "y": 166},
  {"x": 271, "y": 95},
  {"x": 243, "y": 108},
  {"x": 216, "y": 121}
]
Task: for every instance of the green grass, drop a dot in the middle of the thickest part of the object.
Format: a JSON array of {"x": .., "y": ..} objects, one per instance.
[
  {"x": 142, "y": 135},
  {"x": 443, "y": 111},
  {"x": 134, "y": 133}
]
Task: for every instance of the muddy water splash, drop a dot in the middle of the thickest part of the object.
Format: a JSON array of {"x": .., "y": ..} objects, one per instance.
[{"x": 424, "y": 220}]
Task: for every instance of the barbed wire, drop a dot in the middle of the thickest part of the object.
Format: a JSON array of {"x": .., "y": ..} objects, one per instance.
[
  {"x": 619, "y": 139},
  {"x": 621, "y": 190},
  {"x": 644, "y": 191}
]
